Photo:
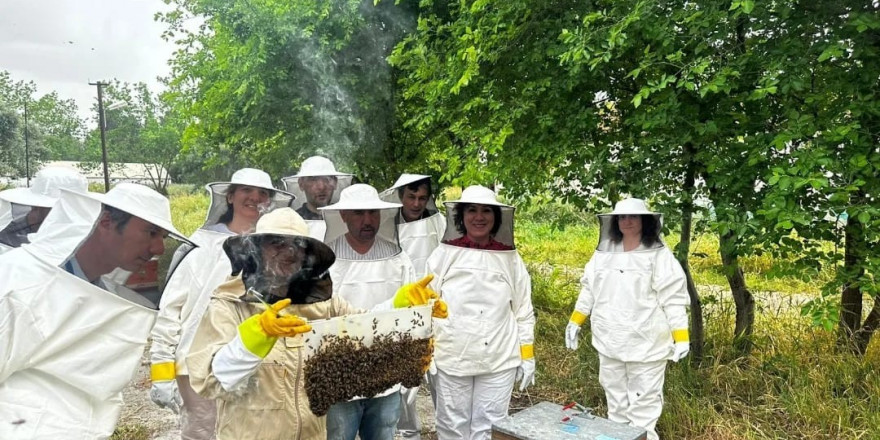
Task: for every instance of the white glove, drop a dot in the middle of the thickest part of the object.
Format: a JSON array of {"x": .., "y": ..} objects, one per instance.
[
  {"x": 571, "y": 335},
  {"x": 526, "y": 374},
  {"x": 432, "y": 368},
  {"x": 681, "y": 349},
  {"x": 166, "y": 395}
]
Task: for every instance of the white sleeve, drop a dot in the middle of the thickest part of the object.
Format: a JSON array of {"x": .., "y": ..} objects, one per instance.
[
  {"x": 585, "y": 300},
  {"x": 181, "y": 287},
  {"x": 522, "y": 303},
  {"x": 671, "y": 286},
  {"x": 233, "y": 365}
]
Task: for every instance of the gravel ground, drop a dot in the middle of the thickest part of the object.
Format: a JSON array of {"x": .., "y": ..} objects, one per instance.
[{"x": 140, "y": 414}]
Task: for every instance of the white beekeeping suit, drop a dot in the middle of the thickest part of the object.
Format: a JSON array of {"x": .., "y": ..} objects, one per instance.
[
  {"x": 365, "y": 279},
  {"x": 317, "y": 175},
  {"x": 23, "y": 209},
  {"x": 187, "y": 294},
  {"x": 418, "y": 237},
  {"x": 486, "y": 344},
  {"x": 70, "y": 338},
  {"x": 635, "y": 295}
]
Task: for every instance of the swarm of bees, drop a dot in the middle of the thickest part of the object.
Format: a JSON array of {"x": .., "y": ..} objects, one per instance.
[{"x": 344, "y": 367}]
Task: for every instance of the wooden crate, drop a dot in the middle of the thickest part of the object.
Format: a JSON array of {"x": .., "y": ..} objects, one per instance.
[{"x": 544, "y": 422}]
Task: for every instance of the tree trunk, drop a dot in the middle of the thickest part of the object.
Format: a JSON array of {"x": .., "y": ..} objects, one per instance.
[
  {"x": 742, "y": 297},
  {"x": 851, "y": 298},
  {"x": 682, "y": 251}
]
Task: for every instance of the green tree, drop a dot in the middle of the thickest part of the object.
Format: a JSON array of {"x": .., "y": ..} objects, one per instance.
[{"x": 267, "y": 83}]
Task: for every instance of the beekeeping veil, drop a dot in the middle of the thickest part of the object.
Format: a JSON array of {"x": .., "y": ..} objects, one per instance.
[
  {"x": 244, "y": 177},
  {"x": 322, "y": 171},
  {"x": 610, "y": 235},
  {"x": 479, "y": 195},
  {"x": 22, "y": 209},
  {"x": 361, "y": 197},
  {"x": 305, "y": 260},
  {"x": 418, "y": 238},
  {"x": 220, "y": 207},
  {"x": 73, "y": 344}
]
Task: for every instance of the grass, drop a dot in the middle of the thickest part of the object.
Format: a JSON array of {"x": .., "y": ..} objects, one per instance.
[
  {"x": 131, "y": 432},
  {"x": 793, "y": 386}
]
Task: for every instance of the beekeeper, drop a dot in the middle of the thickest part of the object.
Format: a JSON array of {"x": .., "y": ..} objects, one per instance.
[
  {"x": 486, "y": 345},
  {"x": 235, "y": 207},
  {"x": 420, "y": 227},
  {"x": 635, "y": 293},
  {"x": 369, "y": 268},
  {"x": 71, "y": 337},
  {"x": 248, "y": 355},
  {"x": 22, "y": 210},
  {"x": 317, "y": 184}
]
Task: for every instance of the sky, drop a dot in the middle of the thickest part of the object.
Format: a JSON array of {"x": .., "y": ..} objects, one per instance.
[{"x": 62, "y": 45}]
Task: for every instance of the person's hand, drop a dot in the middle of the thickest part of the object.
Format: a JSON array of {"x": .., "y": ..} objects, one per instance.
[
  {"x": 260, "y": 332},
  {"x": 571, "y": 335},
  {"x": 573, "y": 329},
  {"x": 163, "y": 391},
  {"x": 681, "y": 350},
  {"x": 418, "y": 293},
  {"x": 682, "y": 344},
  {"x": 525, "y": 374}
]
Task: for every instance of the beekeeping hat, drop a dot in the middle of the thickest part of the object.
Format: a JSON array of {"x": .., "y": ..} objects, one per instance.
[
  {"x": 245, "y": 177},
  {"x": 360, "y": 197},
  {"x": 631, "y": 206},
  {"x": 244, "y": 252},
  {"x": 608, "y": 228},
  {"x": 479, "y": 195},
  {"x": 143, "y": 202},
  {"x": 46, "y": 188},
  {"x": 392, "y": 194},
  {"x": 316, "y": 166}
]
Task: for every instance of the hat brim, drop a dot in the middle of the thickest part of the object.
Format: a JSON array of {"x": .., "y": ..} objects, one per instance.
[
  {"x": 490, "y": 202},
  {"x": 145, "y": 216},
  {"x": 628, "y": 213},
  {"x": 352, "y": 205},
  {"x": 316, "y": 174},
  {"x": 24, "y": 196},
  {"x": 239, "y": 247},
  {"x": 406, "y": 179}
]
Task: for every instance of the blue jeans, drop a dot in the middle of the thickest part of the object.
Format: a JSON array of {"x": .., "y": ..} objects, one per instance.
[{"x": 373, "y": 419}]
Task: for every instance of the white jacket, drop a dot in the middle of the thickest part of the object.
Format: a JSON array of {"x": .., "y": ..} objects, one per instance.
[
  {"x": 634, "y": 300},
  {"x": 490, "y": 309},
  {"x": 68, "y": 347},
  {"x": 419, "y": 238},
  {"x": 186, "y": 297},
  {"x": 365, "y": 284}
]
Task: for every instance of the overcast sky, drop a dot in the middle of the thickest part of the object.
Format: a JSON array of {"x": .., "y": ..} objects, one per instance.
[{"x": 63, "y": 45}]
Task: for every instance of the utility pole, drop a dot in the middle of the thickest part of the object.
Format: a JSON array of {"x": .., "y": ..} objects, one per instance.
[
  {"x": 103, "y": 127},
  {"x": 27, "y": 154}
]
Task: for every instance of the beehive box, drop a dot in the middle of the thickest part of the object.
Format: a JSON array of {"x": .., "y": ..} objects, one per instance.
[
  {"x": 363, "y": 355},
  {"x": 544, "y": 421}
]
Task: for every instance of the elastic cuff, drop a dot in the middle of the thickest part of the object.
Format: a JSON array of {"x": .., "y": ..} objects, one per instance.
[
  {"x": 681, "y": 335},
  {"x": 578, "y": 317},
  {"x": 163, "y": 372},
  {"x": 527, "y": 351}
]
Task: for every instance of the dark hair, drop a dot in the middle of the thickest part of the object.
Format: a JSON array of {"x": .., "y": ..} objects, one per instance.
[
  {"x": 414, "y": 187},
  {"x": 117, "y": 216},
  {"x": 650, "y": 230},
  {"x": 458, "y": 219},
  {"x": 227, "y": 216}
]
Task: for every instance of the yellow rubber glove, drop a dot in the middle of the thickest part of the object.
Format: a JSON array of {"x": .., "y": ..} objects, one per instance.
[
  {"x": 418, "y": 293},
  {"x": 682, "y": 346},
  {"x": 260, "y": 332}
]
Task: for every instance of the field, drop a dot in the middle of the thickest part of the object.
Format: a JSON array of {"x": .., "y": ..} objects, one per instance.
[{"x": 793, "y": 386}]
